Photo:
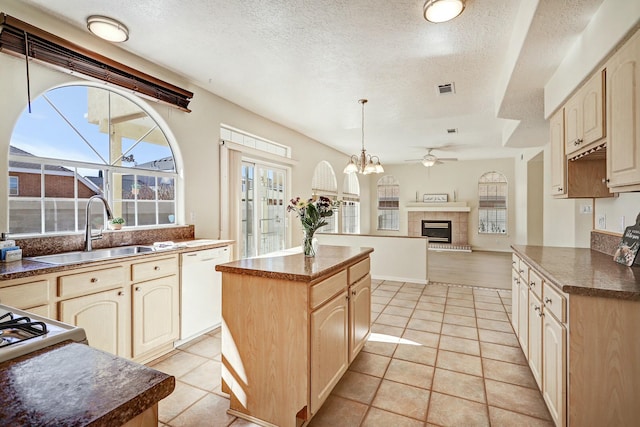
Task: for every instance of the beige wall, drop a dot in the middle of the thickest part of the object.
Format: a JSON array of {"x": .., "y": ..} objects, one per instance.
[
  {"x": 461, "y": 177},
  {"x": 196, "y": 133}
]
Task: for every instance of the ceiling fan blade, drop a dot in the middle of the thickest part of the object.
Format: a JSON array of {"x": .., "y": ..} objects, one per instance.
[
  {"x": 413, "y": 160},
  {"x": 448, "y": 159}
]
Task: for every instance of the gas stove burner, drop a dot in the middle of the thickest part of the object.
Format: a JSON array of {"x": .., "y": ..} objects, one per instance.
[{"x": 17, "y": 329}]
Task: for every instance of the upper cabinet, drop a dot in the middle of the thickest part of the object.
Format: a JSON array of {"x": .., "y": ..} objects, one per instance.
[
  {"x": 585, "y": 115},
  {"x": 623, "y": 117},
  {"x": 558, "y": 159}
]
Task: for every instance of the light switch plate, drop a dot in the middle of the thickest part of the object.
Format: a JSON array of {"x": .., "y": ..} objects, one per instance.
[{"x": 586, "y": 209}]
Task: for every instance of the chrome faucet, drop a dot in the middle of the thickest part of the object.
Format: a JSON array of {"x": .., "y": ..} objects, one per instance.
[{"x": 88, "y": 236}]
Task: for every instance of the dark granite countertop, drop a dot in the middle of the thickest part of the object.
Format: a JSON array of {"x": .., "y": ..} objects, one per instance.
[
  {"x": 28, "y": 268},
  {"x": 583, "y": 271},
  {"x": 72, "y": 384},
  {"x": 293, "y": 265}
]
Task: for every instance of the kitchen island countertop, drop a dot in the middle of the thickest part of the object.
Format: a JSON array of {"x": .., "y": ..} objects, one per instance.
[
  {"x": 583, "y": 271},
  {"x": 72, "y": 384}
]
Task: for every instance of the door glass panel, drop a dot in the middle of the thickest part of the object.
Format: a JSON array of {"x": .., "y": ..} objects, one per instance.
[{"x": 247, "y": 247}]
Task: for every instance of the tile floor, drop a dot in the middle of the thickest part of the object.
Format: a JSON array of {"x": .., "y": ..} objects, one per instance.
[{"x": 439, "y": 355}]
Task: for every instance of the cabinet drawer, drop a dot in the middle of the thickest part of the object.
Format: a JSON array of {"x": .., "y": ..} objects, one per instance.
[
  {"x": 26, "y": 295},
  {"x": 154, "y": 269},
  {"x": 555, "y": 302},
  {"x": 535, "y": 283},
  {"x": 324, "y": 290},
  {"x": 90, "y": 282},
  {"x": 359, "y": 270}
]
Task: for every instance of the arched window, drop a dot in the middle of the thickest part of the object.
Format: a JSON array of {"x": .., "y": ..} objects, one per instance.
[
  {"x": 350, "y": 206},
  {"x": 388, "y": 203},
  {"x": 492, "y": 208},
  {"x": 324, "y": 183},
  {"x": 83, "y": 140}
]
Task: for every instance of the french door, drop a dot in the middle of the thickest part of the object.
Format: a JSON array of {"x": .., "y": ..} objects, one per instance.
[{"x": 263, "y": 209}]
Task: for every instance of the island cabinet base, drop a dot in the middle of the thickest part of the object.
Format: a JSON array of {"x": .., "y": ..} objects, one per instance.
[{"x": 286, "y": 342}]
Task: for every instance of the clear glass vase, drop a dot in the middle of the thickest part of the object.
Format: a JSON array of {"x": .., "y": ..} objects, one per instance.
[{"x": 309, "y": 244}]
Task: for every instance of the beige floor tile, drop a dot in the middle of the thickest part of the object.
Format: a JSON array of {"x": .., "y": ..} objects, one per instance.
[
  {"x": 179, "y": 364},
  {"x": 460, "y": 302},
  {"x": 357, "y": 386},
  {"x": 371, "y": 364},
  {"x": 424, "y": 338},
  {"x": 410, "y": 373},
  {"x": 509, "y": 373},
  {"x": 434, "y": 289},
  {"x": 486, "y": 292},
  {"x": 460, "y": 345},
  {"x": 380, "y": 300},
  {"x": 502, "y": 418},
  {"x": 398, "y": 311},
  {"x": 452, "y": 411},
  {"x": 205, "y": 376},
  {"x": 516, "y": 398},
  {"x": 488, "y": 314},
  {"x": 376, "y": 345},
  {"x": 430, "y": 306},
  {"x": 465, "y": 290},
  {"x": 504, "y": 338},
  {"x": 460, "y": 331},
  {"x": 410, "y": 296},
  {"x": 380, "y": 293},
  {"x": 392, "y": 320},
  {"x": 491, "y": 299},
  {"x": 461, "y": 311},
  {"x": 379, "y": 418},
  {"x": 388, "y": 288},
  {"x": 403, "y": 303},
  {"x": 424, "y": 325},
  {"x": 433, "y": 299},
  {"x": 427, "y": 315},
  {"x": 402, "y": 399},
  {"x": 489, "y": 306},
  {"x": 182, "y": 397},
  {"x": 456, "y": 319},
  {"x": 394, "y": 283},
  {"x": 377, "y": 307},
  {"x": 416, "y": 353},
  {"x": 502, "y": 352},
  {"x": 495, "y": 325},
  {"x": 337, "y": 411},
  {"x": 391, "y": 331},
  {"x": 459, "y": 385},
  {"x": 465, "y": 363},
  {"x": 211, "y": 410},
  {"x": 208, "y": 347}
]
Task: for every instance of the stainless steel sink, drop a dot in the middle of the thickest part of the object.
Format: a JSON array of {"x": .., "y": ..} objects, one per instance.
[{"x": 96, "y": 254}]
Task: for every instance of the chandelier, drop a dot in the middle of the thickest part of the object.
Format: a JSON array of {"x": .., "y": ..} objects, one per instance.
[{"x": 364, "y": 163}]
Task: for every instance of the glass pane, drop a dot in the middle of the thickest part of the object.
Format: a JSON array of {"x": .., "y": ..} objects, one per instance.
[
  {"x": 60, "y": 215},
  {"x": 166, "y": 189},
  {"x": 145, "y": 187},
  {"x": 128, "y": 212},
  {"x": 24, "y": 216},
  {"x": 146, "y": 213},
  {"x": 166, "y": 212},
  {"x": 247, "y": 248},
  {"x": 13, "y": 186}
]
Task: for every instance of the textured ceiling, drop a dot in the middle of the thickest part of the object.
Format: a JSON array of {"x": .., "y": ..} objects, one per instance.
[{"x": 305, "y": 65}]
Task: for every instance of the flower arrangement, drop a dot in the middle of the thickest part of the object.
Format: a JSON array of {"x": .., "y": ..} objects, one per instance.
[{"x": 312, "y": 214}]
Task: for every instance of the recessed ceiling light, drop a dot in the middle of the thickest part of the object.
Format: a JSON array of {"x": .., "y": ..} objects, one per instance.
[
  {"x": 107, "y": 28},
  {"x": 442, "y": 10}
]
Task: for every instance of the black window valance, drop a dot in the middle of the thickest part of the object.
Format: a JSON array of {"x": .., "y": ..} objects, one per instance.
[{"x": 21, "y": 39}]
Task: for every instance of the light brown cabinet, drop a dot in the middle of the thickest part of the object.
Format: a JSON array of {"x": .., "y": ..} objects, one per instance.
[
  {"x": 32, "y": 296},
  {"x": 558, "y": 158},
  {"x": 554, "y": 365},
  {"x": 623, "y": 117},
  {"x": 359, "y": 315},
  {"x": 535, "y": 337},
  {"x": 584, "y": 115}
]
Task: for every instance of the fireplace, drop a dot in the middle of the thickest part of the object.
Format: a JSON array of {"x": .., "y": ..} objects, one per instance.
[{"x": 437, "y": 230}]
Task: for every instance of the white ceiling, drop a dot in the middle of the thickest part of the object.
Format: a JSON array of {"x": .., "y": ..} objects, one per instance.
[{"x": 305, "y": 64}]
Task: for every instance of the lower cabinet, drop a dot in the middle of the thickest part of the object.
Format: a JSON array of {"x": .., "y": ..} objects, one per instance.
[
  {"x": 535, "y": 337},
  {"x": 515, "y": 300},
  {"x": 155, "y": 314},
  {"x": 554, "y": 385},
  {"x": 103, "y": 316},
  {"x": 523, "y": 315},
  {"x": 329, "y": 348},
  {"x": 359, "y": 315}
]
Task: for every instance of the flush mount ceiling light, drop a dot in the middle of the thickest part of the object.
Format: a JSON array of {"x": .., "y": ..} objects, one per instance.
[
  {"x": 364, "y": 163},
  {"x": 442, "y": 10},
  {"x": 107, "y": 28}
]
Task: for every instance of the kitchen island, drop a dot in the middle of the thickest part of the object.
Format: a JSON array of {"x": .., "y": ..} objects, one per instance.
[
  {"x": 291, "y": 326},
  {"x": 72, "y": 384}
]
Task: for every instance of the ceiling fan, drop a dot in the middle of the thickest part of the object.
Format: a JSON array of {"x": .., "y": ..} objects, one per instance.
[{"x": 430, "y": 160}]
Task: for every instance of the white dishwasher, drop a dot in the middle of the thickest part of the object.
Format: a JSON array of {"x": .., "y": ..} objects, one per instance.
[{"x": 201, "y": 291}]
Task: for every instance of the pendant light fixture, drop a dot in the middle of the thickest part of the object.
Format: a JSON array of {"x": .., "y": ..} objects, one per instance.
[
  {"x": 437, "y": 11},
  {"x": 364, "y": 163}
]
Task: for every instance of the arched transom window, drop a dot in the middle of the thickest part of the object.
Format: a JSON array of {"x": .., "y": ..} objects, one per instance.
[
  {"x": 80, "y": 141},
  {"x": 492, "y": 207}
]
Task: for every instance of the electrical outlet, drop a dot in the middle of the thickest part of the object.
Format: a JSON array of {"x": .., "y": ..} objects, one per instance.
[{"x": 602, "y": 222}]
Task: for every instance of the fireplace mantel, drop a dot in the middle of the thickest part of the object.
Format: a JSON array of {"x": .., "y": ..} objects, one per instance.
[{"x": 438, "y": 207}]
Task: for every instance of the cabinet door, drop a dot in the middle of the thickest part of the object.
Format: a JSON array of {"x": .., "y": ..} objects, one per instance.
[
  {"x": 515, "y": 293},
  {"x": 359, "y": 315},
  {"x": 572, "y": 124},
  {"x": 535, "y": 337},
  {"x": 155, "y": 314},
  {"x": 623, "y": 115},
  {"x": 591, "y": 99},
  {"x": 103, "y": 316},
  {"x": 329, "y": 348},
  {"x": 554, "y": 336},
  {"x": 558, "y": 160},
  {"x": 523, "y": 315}
]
